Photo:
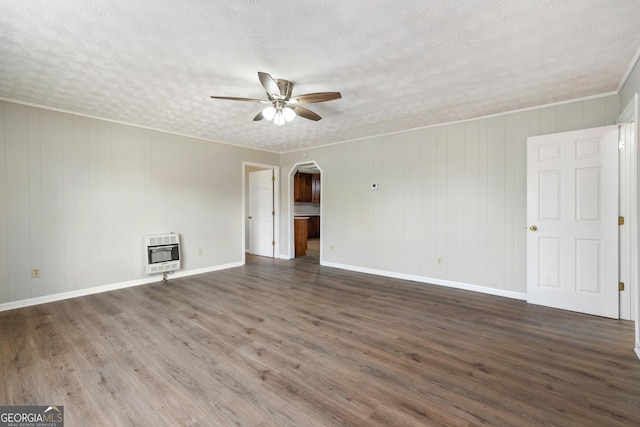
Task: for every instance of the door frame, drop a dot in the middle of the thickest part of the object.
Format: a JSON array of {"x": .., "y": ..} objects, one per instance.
[
  {"x": 245, "y": 204},
  {"x": 629, "y": 196},
  {"x": 290, "y": 207}
]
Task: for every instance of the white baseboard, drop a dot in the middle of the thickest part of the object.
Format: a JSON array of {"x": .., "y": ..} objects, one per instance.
[
  {"x": 110, "y": 287},
  {"x": 638, "y": 350},
  {"x": 207, "y": 269},
  {"x": 431, "y": 281}
]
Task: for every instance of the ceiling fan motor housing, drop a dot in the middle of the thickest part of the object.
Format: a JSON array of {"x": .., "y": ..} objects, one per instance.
[{"x": 286, "y": 88}]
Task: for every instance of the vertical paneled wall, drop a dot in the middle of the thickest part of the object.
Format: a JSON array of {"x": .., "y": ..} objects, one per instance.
[
  {"x": 455, "y": 193},
  {"x": 629, "y": 90},
  {"x": 78, "y": 194}
]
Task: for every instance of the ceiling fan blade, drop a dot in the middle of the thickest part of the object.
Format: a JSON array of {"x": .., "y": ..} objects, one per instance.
[
  {"x": 233, "y": 98},
  {"x": 309, "y": 98},
  {"x": 303, "y": 112},
  {"x": 258, "y": 117},
  {"x": 270, "y": 85}
]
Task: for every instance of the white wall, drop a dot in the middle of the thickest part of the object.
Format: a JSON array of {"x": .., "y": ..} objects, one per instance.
[
  {"x": 78, "y": 194},
  {"x": 454, "y": 191}
]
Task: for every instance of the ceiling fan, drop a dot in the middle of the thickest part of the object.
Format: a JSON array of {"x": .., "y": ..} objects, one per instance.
[{"x": 283, "y": 107}]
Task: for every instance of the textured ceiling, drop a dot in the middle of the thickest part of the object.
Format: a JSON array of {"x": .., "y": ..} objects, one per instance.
[{"x": 398, "y": 65}]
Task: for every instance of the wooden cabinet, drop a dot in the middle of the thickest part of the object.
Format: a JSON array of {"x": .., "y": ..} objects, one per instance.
[
  {"x": 308, "y": 183},
  {"x": 305, "y": 228},
  {"x": 302, "y": 187},
  {"x": 300, "y": 235},
  {"x": 313, "y": 227},
  {"x": 297, "y": 188},
  {"x": 315, "y": 188},
  {"x": 306, "y": 187}
]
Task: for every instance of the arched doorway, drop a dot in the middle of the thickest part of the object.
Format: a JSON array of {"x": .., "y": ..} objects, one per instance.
[{"x": 306, "y": 213}]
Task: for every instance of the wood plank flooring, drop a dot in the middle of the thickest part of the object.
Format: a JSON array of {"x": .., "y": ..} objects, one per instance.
[{"x": 290, "y": 343}]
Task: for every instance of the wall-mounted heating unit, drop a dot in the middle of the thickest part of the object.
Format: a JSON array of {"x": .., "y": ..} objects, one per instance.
[{"x": 162, "y": 252}]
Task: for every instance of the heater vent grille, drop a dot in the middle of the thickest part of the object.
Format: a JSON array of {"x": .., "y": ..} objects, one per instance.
[
  {"x": 161, "y": 253},
  {"x": 163, "y": 239}
]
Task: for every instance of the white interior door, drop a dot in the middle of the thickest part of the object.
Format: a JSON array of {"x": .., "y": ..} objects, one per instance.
[
  {"x": 572, "y": 213},
  {"x": 261, "y": 213}
]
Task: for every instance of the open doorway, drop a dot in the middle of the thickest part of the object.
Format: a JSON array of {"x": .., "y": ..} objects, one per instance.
[
  {"x": 261, "y": 219},
  {"x": 307, "y": 216}
]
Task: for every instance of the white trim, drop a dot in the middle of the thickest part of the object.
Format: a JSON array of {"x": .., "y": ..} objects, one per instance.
[
  {"x": 107, "y": 288},
  {"x": 630, "y": 115},
  {"x": 179, "y": 274},
  {"x": 454, "y": 122},
  {"x": 535, "y": 107},
  {"x": 120, "y": 122},
  {"x": 628, "y": 209},
  {"x": 431, "y": 281}
]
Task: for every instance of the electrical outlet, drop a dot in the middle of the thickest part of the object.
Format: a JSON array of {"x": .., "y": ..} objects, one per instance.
[
  {"x": 439, "y": 260},
  {"x": 35, "y": 273}
]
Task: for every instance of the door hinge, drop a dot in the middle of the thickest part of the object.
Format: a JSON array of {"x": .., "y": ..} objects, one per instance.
[
  {"x": 273, "y": 213},
  {"x": 620, "y": 220},
  {"x": 621, "y": 144},
  {"x": 621, "y": 286},
  {"x": 273, "y": 178},
  {"x": 273, "y": 243}
]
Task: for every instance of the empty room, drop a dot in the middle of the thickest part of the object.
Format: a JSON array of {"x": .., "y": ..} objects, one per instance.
[{"x": 304, "y": 213}]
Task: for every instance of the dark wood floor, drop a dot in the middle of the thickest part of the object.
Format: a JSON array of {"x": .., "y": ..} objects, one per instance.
[{"x": 290, "y": 343}]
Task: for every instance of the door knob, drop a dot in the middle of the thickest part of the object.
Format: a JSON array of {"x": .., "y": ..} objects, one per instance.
[
  {"x": 249, "y": 217},
  {"x": 533, "y": 228}
]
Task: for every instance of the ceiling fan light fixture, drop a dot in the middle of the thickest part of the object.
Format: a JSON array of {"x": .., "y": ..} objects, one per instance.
[
  {"x": 279, "y": 118},
  {"x": 269, "y": 112},
  {"x": 288, "y": 114},
  {"x": 282, "y": 107}
]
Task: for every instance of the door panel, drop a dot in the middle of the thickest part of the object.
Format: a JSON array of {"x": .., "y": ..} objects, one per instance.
[
  {"x": 589, "y": 266},
  {"x": 549, "y": 262},
  {"x": 572, "y": 242},
  {"x": 588, "y": 195},
  {"x": 550, "y": 187},
  {"x": 261, "y": 213}
]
